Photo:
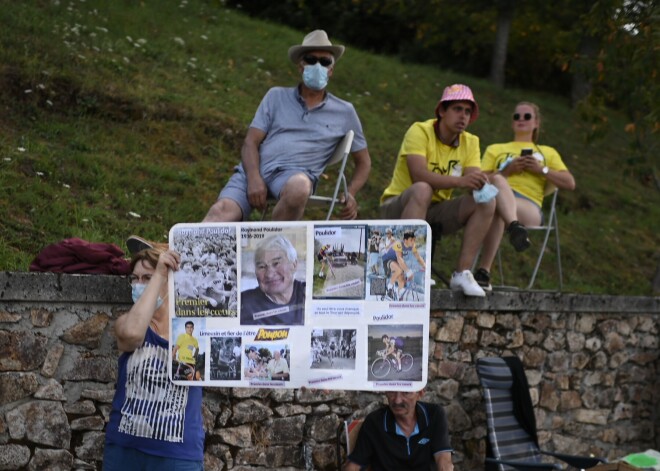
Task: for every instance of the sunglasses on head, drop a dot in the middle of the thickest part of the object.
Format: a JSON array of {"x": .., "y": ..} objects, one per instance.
[
  {"x": 518, "y": 116},
  {"x": 311, "y": 60}
]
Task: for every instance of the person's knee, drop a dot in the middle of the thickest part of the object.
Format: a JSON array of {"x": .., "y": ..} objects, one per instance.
[
  {"x": 224, "y": 210},
  {"x": 298, "y": 188},
  {"x": 420, "y": 192},
  {"x": 471, "y": 210},
  {"x": 499, "y": 181},
  {"x": 485, "y": 210}
]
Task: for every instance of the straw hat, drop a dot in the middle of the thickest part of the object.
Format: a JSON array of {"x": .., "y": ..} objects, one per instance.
[{"x": 315, "y": 41}]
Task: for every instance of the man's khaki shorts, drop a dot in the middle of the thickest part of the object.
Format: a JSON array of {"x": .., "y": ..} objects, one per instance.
[{"x": 444, "y": 213}]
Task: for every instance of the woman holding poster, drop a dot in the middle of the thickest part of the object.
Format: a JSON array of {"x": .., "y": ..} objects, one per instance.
[{"x": 154, "y": 424}]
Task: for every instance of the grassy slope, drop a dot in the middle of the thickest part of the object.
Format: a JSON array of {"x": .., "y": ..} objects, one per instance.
[{"x": 112, "y": 109}]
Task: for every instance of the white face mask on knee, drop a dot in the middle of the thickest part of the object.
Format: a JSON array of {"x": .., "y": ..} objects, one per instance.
[{"x": 485, "y": 194}]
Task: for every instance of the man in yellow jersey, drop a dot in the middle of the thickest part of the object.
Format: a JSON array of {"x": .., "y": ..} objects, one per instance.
[
  {"x": 436, "y": 157},
  {"x": 186, "y": 349}
]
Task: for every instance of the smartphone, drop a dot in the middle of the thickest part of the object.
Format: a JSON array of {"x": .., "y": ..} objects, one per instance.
[{"x": 526, "y": 152}]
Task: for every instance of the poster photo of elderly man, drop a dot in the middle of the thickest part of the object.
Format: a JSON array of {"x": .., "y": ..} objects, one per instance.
[{"x": 273, "y": 277}]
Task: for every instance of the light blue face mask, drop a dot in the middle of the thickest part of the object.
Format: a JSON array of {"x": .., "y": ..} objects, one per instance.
[
  {"x": 315, "y": 76},
  {"x": 485, "y": 194},
  {"x": 136, "y": 291}
]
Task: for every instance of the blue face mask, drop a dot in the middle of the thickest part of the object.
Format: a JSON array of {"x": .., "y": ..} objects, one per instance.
[
  {"x": 315, "y": 76},
  {"x": 136, "y": 291}
]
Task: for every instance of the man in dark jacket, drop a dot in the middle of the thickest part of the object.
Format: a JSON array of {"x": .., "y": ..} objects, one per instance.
[{"x": 407, "y": 434}]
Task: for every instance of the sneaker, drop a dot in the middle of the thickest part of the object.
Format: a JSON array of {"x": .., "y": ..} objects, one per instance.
[
  {"x": 518, "y": 236},
  {"x": 482, "y": 277},
  {"x": 320, "y": 274},
  {"x": 465, "y": 281},
  {"x": 135, "y": 244}
]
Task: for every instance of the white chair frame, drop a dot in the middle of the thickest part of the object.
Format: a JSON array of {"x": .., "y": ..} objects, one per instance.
[
  {"x": 340, "y": 156},
  {"x": 551, "y": 225}
]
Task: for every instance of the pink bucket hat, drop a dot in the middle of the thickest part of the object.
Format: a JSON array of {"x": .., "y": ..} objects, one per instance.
[{"x": 459, "y": 92}]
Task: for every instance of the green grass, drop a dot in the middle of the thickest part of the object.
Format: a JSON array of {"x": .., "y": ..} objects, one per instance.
[{"x": 123, "y": 117}]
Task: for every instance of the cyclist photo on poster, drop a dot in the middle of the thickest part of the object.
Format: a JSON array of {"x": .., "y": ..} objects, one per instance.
[
  {"x": 397, "y": 270},
  {"x": 273, "y": 277},
  {"x": 188, "y": 353},
  {"x": 333, "y": 349},
  {"x": 395, "y": 352},
  {"x": 340, "y": 262},
  {"x": 225, "y": 358}
]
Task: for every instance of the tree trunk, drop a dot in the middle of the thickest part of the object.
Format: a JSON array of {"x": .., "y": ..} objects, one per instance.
[
  {"x": 505, "y": 11},
  {"x": 580, "y": 85}
]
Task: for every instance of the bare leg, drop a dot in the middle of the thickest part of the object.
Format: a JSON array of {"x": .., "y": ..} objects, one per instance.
[
  {"x": 396, "y": 274},
  {"x": 505, "y": 200},
  {"x": 224, "y": 210},
  {"x": 491, "y": 243},
  {"x": 293, "y": 199},
  {"x": 505, "y": 213},
  {"x": 527, "y": 213},
  {"x": 479, "y": 217},
  {"x": 416, "y": 201}
]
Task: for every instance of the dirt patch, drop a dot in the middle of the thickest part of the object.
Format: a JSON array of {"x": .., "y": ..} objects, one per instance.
[{"x": 65, "y": 95}]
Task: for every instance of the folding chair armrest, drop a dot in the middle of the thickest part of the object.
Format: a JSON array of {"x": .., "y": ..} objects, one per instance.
[
  {"x": 523, "y": 466},
  {"x": 580, "y": 462},
  {"x": 549, "y": 188},
  {"x": 339, "y": 156}
]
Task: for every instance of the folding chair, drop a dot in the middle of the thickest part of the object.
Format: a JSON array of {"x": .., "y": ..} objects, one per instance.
[
  {"x": 436, "y": 237},
  {"x": 347, "y": 433},
  {"x": 512, "y": 442},
  {"x": 551, "y": 225},
  {"x": 339, "y": 156}
]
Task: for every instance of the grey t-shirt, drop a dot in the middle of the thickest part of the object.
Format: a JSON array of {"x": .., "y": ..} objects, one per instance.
[{"x": 299, "y": 138}]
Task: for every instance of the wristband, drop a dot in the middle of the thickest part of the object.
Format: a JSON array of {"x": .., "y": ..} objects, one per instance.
[{"x": 409, "y": 273}]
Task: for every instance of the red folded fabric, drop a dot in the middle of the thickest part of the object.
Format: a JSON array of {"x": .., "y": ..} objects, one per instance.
[{"x": 80, "y": 256}]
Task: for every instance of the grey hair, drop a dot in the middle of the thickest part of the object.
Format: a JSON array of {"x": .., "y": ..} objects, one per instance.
[{"x": 276, "y": 242}]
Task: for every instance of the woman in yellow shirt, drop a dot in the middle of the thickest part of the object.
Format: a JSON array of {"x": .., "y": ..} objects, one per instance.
[{"x": 528, "y": 168}]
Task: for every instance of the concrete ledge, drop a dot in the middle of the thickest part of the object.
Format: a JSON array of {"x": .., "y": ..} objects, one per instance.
[
  {"x": 543, "y": 301},
  {"x": 57, "y": 287}
]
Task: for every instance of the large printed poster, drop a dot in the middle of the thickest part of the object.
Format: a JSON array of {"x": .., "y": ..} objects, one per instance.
[{"x": 330, "y": 305}]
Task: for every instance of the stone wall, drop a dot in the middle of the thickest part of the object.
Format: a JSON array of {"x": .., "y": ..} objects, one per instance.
[{"x": 592, "y": 364}]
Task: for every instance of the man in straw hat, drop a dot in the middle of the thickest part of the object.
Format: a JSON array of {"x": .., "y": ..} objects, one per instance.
[
  {"x": 293, "y": 134},
  {"x": 437, "y": 156}
]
